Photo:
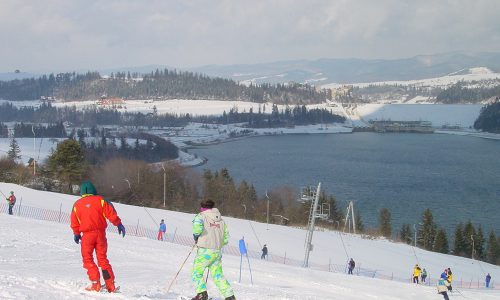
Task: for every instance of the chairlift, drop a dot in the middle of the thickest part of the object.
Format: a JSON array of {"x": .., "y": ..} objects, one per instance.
[
  {"x": 307, "y": 194},
  {"x": 324, "y": 211}
]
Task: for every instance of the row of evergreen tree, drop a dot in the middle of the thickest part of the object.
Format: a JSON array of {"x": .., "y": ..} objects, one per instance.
[
  {"x": 469, "y": 241},
  {"x": 459, "y": 93},
  {"x": 159, "y": 84},
  {"x": 98, "y": 150},
  {"x": 56, "y": 130},
  {"x": 489, "y": 118},
  {"x": 88, "y": 117}
]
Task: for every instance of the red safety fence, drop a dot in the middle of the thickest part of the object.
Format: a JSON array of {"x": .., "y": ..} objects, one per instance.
[{"x": 134, "y": 229}]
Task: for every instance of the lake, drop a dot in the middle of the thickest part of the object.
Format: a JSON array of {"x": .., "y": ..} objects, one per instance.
[{"x": 457, "y": 177}]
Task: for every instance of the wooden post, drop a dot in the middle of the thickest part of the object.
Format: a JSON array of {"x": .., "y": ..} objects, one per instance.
[
  {"x": 60, "y": 212},
  {"x": 137, "y": 227}
]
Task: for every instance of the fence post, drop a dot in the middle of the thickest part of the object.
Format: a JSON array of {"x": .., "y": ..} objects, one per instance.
[
  {"x": 284, "y": 259},
  {"x": 60, "y": 211},
  {"x": 392, "y": 276},
  {"x": 19, "y": 208},
  {"x": 137, "y": 227},
  {"x": 173, "y": 237},
  {"x": 329, "y": 264}
]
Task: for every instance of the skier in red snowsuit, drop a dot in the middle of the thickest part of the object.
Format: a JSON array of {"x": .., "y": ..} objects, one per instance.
[{"x": 89, "y": 216}]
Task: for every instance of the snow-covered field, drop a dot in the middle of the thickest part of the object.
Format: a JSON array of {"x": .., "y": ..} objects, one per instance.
[
  {"x": 470, "y": 75},
  {"x": 39, "y": 260},
  {"x": 462, "y": 115}
]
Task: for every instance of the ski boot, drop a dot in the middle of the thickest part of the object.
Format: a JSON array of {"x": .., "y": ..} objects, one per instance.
[
  {"x": 95, "y": 286},
  {"x": 110, "y": 286},
  {"x": 201, "y": 296},
  {"x": 231, "y": 298}
]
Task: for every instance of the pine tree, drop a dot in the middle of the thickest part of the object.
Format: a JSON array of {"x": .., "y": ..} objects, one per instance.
[
  {"x": 459, "y": 245},
  {"x": 469, "y": 233},
  {"x": 384, "y": 221},
  {"x": 405, "y": 234},
  {"x": 427, "y": 232},
  {"x": 14, "y": 150},
  {"x": 67, "y": 162},
  {"x": 441, "y": 242},
  {"x": 492, "y": 249}
]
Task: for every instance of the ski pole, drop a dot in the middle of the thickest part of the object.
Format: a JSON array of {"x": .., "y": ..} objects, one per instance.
[
  {"x": 175, "y": 277},
  {"x": 3, "y": 194},
  {"x": 208, "y": 273}
]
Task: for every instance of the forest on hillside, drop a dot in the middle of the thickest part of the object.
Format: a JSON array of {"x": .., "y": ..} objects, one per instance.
[
  {"x": 160, "y": 84},
  {"x": 91, "y": 116},
  {"x": 489, "y": 118}
]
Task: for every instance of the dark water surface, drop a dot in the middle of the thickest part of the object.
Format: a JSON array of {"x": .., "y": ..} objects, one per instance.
[{"x": 457, "y": 177}]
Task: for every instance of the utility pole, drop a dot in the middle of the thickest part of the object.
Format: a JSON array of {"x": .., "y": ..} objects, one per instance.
[
  {"x": 472, "y": 238},
  {"x": 314, "y": 198},
  {"x": 164, "y": 184},
  {"x": 352, "y": 217},
  {"x": 34, "y": 150},
  {"x": 267, "y": 211},
  {"x": 415, "y": 233}
]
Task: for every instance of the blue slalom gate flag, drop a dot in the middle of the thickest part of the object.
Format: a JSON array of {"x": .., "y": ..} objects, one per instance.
[{"x": 243, "y": 247}]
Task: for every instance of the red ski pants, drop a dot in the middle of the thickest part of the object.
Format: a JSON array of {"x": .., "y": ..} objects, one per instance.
[
  {"x": 96, "y": 240},
  {"x": 160, "y": 235}
]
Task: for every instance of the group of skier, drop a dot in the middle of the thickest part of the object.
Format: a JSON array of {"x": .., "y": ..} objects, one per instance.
[
  {"x": 88, "y": 222},
  {"x": 419, "y": 273},
  {"x": 444, "y": 283},
  {"x": 210, "y": 233}
]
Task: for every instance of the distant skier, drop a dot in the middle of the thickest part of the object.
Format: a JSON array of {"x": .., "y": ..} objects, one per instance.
[
  {"x": 352, "y": 264},
  {"x": 416, "y": 273},
  {"x": 162, "y": 230},
  {"x": 12, "y": 201},
  {"x": 89, "y": 216},
  {"x": 210, "y": 234},
  {"x": 424, "y": 275},
  {"x": 264, "y": 252},
  {"x": 443, "y": 285},
  {"x": 488, "y": 279}
]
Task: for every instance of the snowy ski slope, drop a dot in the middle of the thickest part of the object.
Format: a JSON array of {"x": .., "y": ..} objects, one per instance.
[{"x": 39, "y": 260}]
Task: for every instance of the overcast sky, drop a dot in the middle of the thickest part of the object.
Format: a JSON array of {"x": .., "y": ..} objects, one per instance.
[{"x": 57, "y": 35}]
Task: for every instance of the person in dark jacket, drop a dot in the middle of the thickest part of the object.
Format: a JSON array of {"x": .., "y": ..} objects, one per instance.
[
  {"x": 264, "y": 252},
  {"x": 352, "y": 264},
  {"x": 488, "y": 279}
]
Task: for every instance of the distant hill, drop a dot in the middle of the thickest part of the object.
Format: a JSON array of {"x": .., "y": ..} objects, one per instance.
[{"x": 325, "y": 71}]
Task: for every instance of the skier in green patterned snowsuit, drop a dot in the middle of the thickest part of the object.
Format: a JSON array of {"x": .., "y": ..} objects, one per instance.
[{"x": 210, "y": 234}]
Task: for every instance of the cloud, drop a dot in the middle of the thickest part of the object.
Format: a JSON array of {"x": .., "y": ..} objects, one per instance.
[{"x": 65, "y": 35}]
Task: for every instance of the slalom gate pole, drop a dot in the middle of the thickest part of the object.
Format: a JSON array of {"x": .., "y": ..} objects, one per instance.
[
  {"x": 249, "y": 268},
  {"x": 183, "y": 263},
  {"x": 241, "y": 261}
]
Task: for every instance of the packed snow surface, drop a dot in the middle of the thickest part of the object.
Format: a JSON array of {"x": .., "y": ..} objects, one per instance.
[{"x": 39, "y": 260}]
